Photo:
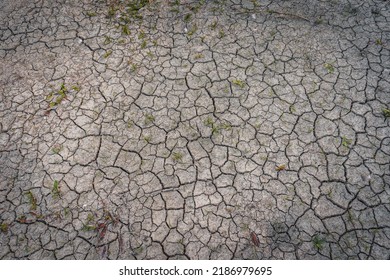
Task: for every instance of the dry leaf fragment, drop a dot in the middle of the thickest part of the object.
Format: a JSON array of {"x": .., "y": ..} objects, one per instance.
[
  {"x": 255, "y": 239},
  {"x": 104, "y": 252},
  {"x": 102, "y": 229},
  {"x": 120, "y": 241},
  {"x": 281, "y": 167}
]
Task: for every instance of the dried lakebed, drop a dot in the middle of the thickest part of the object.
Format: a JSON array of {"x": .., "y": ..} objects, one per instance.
[{"x": 194, "y": 129}]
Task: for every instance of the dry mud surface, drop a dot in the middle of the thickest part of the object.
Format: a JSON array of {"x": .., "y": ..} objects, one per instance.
[{"x": 205, "y": 130}]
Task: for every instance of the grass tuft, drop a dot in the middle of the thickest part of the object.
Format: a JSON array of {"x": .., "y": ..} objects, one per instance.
[
  {"x": 386, "y": 112},
  {"x": 4, "y": 227},
  {"x": 329, "y": 67},
  {"x": 346, "y": 142},
  {"x": 177, "y": 156},
  {"x": 239, "y": 83},
  {"x": 149, "y": 119},
  {"x": 318, "y": 242},
  {"x": 56, "y": 193},
  {"x": 32, "y": 200}
]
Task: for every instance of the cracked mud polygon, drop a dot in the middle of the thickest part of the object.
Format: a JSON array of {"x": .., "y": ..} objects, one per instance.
[{"x": 226, "y": 129}]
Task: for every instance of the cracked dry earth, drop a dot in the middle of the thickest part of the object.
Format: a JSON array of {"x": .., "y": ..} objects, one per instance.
[{"x": 205, "y": 130}]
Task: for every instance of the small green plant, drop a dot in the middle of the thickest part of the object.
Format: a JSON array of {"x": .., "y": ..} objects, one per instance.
[
  {"x": 149, "y": 119},
  {"x": 193, "y": 30},
  {"x": 239, "y": 83},
  {"x": 88, "y": 227},
  {"x": 107, "y": 40},
  {"x": 350, "y": 216},
  {"x": 111, "y": 11},
  {"x": 147, "y": 138},
  {"x": 187, "y": 17},
  {"x": 330, "y": 193},
  {"x": 346, "y": 142},
  {"x": 143, "y": 44},
  {"x": 213, "y": 26},
  {"x": 141, "y": 35},
  {"x": 56, "y": 98},
  {"x": 386, "y": 112},
  {"x": 66, "y": 211},
  {"x": 4, "y": 227},
  {"x": 138, "y": 250},
  {"x": 124, "y": 20},
  {"x": 57, "y": 148},
  {"x": 269, "y": 11},
  {"x": 318, "y": 242},
  {"x": 198, "y": 56},
  {"x": 177, "y": 156},
  {"x": 221, "y": 34},
  {"x": 154, "y": 42},
  {"x": 56, "y": 193},
  {"x": 215, "y": 130},
  {"x": 329, "y": 67},
  {"x": 150, "y": 54},
  {"x": 107, "y": 53},
  {"x": 318, "y": 21},
  {"x": 126, "y": 30},
  {"x": 133, "y": 67},
  {"x": 175, "y": 3},
  {"x": 32, "y": 200},
  {"x": 196, "y": 8},
  {"x": 245, "y": 226},
  {"x": 76, "y": 88},
  {"x": 226, "y": 126},
  {"x": 90, "y": 224},
  {"x": 63, "y": 90},
  {"x": 133, "y": 8},
  {"x": 91, "y": 14},
  {"x": 209, "y": 122},
  {"x": 272, "y": 33},
  {"x": 108, "y": 217},
  {"x": 90, "y": 218}
]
